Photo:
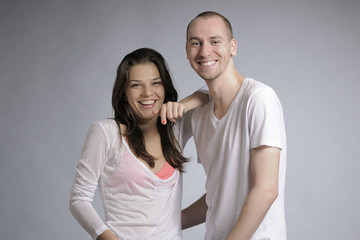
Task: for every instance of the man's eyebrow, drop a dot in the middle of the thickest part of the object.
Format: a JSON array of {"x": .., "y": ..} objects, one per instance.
[
  {"x": 193, "y": 38},
  {"x": 216, "y": 37},
  {"x": 198, "y": 39}
]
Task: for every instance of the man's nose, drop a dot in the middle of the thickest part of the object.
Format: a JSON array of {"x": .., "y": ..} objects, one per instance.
[{"x": 205, "y": 49}]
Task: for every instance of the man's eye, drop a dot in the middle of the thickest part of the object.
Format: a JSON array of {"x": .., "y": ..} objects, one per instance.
[{"x": 195, "y": 44}]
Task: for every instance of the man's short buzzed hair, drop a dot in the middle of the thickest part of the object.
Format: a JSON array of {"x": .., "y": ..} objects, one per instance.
[{"x": 212, "y": 14}]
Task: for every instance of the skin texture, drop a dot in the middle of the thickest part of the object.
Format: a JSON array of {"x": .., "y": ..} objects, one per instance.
[{"x": 210, "y": 53}]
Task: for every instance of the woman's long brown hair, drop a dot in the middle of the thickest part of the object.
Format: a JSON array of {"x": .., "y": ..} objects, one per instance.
[{"x": 123, "y": 113}]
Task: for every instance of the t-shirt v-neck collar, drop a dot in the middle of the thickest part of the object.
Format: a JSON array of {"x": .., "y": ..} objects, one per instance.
[
  {"x": 143, "y": 165},
  {"x": 240, "y": 91}
]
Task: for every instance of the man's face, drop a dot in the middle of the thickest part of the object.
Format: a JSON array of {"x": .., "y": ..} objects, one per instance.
[{"x": 209, "y": 48}]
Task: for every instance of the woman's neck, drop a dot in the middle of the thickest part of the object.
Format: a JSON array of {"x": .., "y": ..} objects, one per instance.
[{"x": 149, "y": 128}]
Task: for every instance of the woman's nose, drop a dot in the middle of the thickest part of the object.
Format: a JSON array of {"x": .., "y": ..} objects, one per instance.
[{"x": 147, "y": 90}]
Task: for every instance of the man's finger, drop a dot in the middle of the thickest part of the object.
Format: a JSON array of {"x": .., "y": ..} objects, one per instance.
[{"x": 163, "y": 114}]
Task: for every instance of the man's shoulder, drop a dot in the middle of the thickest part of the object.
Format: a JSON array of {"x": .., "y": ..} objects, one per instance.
[{"x": 253, "y": 86}]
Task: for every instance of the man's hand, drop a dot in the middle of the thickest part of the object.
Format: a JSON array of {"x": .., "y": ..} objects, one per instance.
[
  {"x": 176, "y": 110},
  {"x": 171, "y": 111}
]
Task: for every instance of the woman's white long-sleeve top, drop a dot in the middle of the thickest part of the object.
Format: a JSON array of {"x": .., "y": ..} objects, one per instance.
[{"x": 137, "y": 204}]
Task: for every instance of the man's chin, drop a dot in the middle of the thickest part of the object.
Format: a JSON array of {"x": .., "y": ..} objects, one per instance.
[{"x": 207, "y": 77}]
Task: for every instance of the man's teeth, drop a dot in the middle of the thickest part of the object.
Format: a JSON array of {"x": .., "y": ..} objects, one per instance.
[
  {"x": 148, "y": 102},
  {"x": 207, "y": 63}
]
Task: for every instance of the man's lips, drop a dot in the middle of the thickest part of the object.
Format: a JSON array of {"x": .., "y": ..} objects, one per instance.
[{"x": 207, "y": 63}]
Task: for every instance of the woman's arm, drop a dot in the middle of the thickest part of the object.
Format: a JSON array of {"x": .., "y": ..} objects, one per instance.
[
  {"x": 90, "y": 165},
  {"x": 107, "y": 235}
]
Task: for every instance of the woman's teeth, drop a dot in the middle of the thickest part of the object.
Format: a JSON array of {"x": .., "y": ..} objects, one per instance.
[{"x": 147, "y": 102}]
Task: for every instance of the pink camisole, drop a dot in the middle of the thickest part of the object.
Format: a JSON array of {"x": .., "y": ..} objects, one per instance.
[{"x": 166, "y": 171}]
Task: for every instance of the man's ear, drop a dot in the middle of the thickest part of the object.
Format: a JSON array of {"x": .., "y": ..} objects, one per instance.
[
  {"x": 186, "y": 50},
  {"x": 233, "y": 47}
]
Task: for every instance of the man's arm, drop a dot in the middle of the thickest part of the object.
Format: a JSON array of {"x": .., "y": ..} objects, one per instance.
[
  {"x": 175, "y": 110},
  {"x": 195, "y": 214},
  {"x": 195, "y": 100},
  {"x": 265, "y": 171}
]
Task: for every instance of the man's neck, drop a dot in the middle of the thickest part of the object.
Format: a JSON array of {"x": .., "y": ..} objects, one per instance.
[{"x": 224, "y": 90}]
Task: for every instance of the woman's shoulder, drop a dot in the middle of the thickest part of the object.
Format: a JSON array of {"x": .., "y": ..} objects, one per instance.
[
  {"x": 110, "y": 129},
  {"x": 108, "y": 125}
]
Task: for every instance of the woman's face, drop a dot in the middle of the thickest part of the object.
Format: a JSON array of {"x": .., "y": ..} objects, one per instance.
[{"x": 145, "y": 92}]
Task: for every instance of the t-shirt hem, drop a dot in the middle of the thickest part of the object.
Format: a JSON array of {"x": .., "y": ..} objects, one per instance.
[
  {"x": 267, "y": 143},
  {"x": 99, "y": 231}
]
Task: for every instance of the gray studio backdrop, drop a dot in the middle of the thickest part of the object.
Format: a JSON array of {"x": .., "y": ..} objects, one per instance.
[{"x": 57, "y": 67}]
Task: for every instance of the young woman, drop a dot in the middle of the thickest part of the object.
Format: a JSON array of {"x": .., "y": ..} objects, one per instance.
[{"x": 135, "y": 159}]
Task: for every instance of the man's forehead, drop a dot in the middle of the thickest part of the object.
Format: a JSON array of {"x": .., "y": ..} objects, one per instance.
[
  {"x": 212, "y": 27},
  {"x": 206, "y": 19}
]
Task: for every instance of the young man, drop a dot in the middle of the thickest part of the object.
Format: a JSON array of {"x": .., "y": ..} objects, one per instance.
[{"x": 240, "y": 140}]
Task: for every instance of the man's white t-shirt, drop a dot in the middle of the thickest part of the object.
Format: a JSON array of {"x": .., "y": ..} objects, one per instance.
[{"x": 255, "y": 118}]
